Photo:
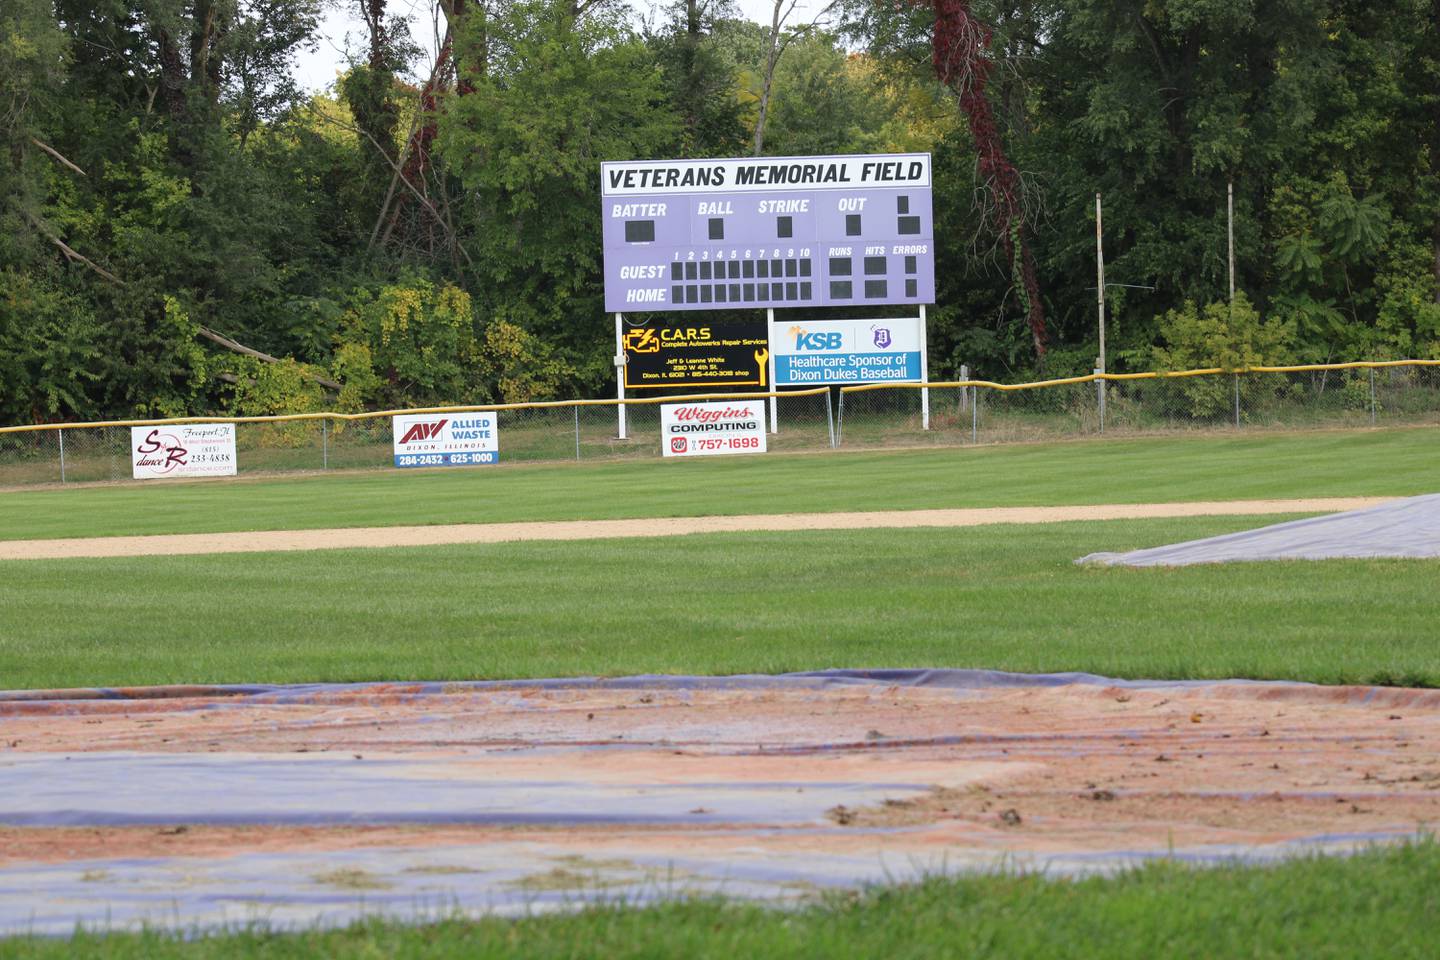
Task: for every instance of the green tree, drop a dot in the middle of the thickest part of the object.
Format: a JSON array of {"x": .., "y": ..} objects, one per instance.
[
  {"x": 1230, "y": 336},
  {"x": 557, "y": 97},
  {"x": 48, "y": 348},
  {"x": 701, "y": 78}
]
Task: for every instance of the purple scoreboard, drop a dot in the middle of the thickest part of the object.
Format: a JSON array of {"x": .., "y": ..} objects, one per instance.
[{"x": 767, "y": 232}]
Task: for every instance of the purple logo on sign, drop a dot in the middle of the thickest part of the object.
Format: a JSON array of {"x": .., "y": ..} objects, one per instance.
[{"x": 882, "y": 337}]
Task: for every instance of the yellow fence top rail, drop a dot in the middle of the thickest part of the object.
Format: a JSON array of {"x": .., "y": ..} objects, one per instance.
[
  {"x": 377, "y": 414},
  {"x": 650, "y": 401},
  {"x": 1152, "y": 375}
]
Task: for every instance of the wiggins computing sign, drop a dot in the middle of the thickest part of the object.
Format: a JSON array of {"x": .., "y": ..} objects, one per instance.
[
  {"x": 439, "y": 440},
  {"x": 848, "y": 351}
]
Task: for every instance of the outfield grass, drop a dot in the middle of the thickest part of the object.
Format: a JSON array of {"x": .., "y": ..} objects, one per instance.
[
  {"x": 997, "y": 597},
  {"x": 1380, "y": 903},
  {"x": 1399, "y": 462}
]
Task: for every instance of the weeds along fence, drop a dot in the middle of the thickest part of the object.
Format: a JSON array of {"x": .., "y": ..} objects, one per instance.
[
  {"x": 1318, "y": 396},
  {"x": 1328, "y": 396}
]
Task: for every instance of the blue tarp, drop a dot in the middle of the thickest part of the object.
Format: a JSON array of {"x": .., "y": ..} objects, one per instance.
[{"x": 1401, "y": 528}]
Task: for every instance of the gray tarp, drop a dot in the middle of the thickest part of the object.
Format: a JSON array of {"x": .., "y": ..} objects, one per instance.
[
  {"x": 635, "y": 836},
  {"x": 1401, "y": 528}
]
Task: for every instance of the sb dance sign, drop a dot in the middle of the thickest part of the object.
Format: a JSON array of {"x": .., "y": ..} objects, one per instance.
[
  {"x": 725, "y": 355},
  {"x": 182, "y": 450}
]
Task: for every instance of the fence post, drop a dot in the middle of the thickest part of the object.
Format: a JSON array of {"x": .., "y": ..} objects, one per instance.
[
  {"x": 1237, "y": 400},
  {"x": 830, "y": 415},
  {"x": 975, "y": 418},
  {"x": 839, "y": 417},
  {"x": 1372, "y": 396},
  {"x": 619, "y": 379},
  {"x": 577, "y": 431},
  {"x": 1100, "y": 394},
  {"x": 61, "y": 433},
  {"x": 924, "y": 372},
  {"x": 965, "y": 391},
  {"x": 325, "y": 443}
]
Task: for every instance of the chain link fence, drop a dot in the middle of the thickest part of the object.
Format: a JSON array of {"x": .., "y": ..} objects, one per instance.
[
  {"x": 1331, "y": 397},
  {"x": 529, "y": 433},
  {"x": 1328, "y": 397}
]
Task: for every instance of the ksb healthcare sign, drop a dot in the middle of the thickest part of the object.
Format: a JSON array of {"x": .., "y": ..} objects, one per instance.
[
  {"x": 696, "y": 355},
  {"x": 438, "y": 440},
  {"x": 849, "y": 351},
  {"x": 707, "y": 429},
  {"x": 184, "y": 450}
]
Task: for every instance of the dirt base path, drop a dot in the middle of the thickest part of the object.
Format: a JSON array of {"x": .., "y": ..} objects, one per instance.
[{"x": 335, "y": 539}]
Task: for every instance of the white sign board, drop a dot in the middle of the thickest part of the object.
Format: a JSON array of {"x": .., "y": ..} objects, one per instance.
[
  {"x": 182, "y": 450},
  {"x": 446, "y": 440},
  {"x": 707, "y": 429},
  {"x": 816, "y": 352}
]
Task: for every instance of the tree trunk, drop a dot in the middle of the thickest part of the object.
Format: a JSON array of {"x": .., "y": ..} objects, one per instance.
[
  {"x": 961, "y": 57},
  {"x": 172, "y": 75},
  {"x": 1435, "y": 243},
  {"x": 772, "y": 57},
  {"x": 690, "y": 55}
]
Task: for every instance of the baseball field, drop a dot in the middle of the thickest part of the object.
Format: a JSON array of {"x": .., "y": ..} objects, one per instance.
[{"x": 942, "y": 559}]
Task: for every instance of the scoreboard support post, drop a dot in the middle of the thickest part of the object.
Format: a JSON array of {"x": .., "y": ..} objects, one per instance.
[
  {"x": 770, "y": 340},
  {"x": 924, "y": 371},
  {"x": 620, "y": 377}
]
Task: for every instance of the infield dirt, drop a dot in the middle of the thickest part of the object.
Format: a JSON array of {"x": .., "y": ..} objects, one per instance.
[
  {"x": 422, "y": 536},
  {"x": 749, "y": 781}
]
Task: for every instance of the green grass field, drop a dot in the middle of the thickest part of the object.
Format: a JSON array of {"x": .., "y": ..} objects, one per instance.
[
  {"x": 1383, "y": 903},
  {"x": 1007, "y": 597},
  {"x": 999, "y": 597},
  {"x": 1377, "y": 463}
]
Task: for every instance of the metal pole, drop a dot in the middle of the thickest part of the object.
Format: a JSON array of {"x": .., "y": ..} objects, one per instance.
[
  {"x": 975, "y": 417},
  {"x": 619, "y": 379},
  {"x": 325, "y": 444},
  {"x": 839, "y": 417},
  {"x": 1100, "y": 392},
  {"x": 1100, "y": 279},
  {"x": 61, "y": 433},
  {"x": 1237, "y": 401},
  {"x": 965, "y": 391},
  {"x": 1230, "y": 230},
  {"x": 924, "y": 371},
  {"x": 577, "y": 431},
  {"x": 1372, "y": 396},
  {"x": 770, "y": 349},
  {"x": 830, "y": 416}
]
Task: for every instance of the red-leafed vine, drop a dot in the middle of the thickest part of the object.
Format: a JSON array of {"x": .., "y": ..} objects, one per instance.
[{"x": 962, "y": 62}]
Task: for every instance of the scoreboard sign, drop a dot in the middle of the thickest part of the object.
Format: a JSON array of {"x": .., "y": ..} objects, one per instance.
[
  {"x": 767, "y": 232},
  {"x": 722, "y": 355}
]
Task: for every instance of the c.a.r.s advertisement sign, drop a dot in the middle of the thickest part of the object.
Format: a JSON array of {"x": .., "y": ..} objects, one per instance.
[
  {"x": 707, "y": 429},
  {"x": 697, "y": 355},
  {"x": 446, "y": 440}
]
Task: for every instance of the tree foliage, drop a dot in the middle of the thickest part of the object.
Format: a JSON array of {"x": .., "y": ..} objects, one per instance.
[{"x": 165, "y": 186}]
